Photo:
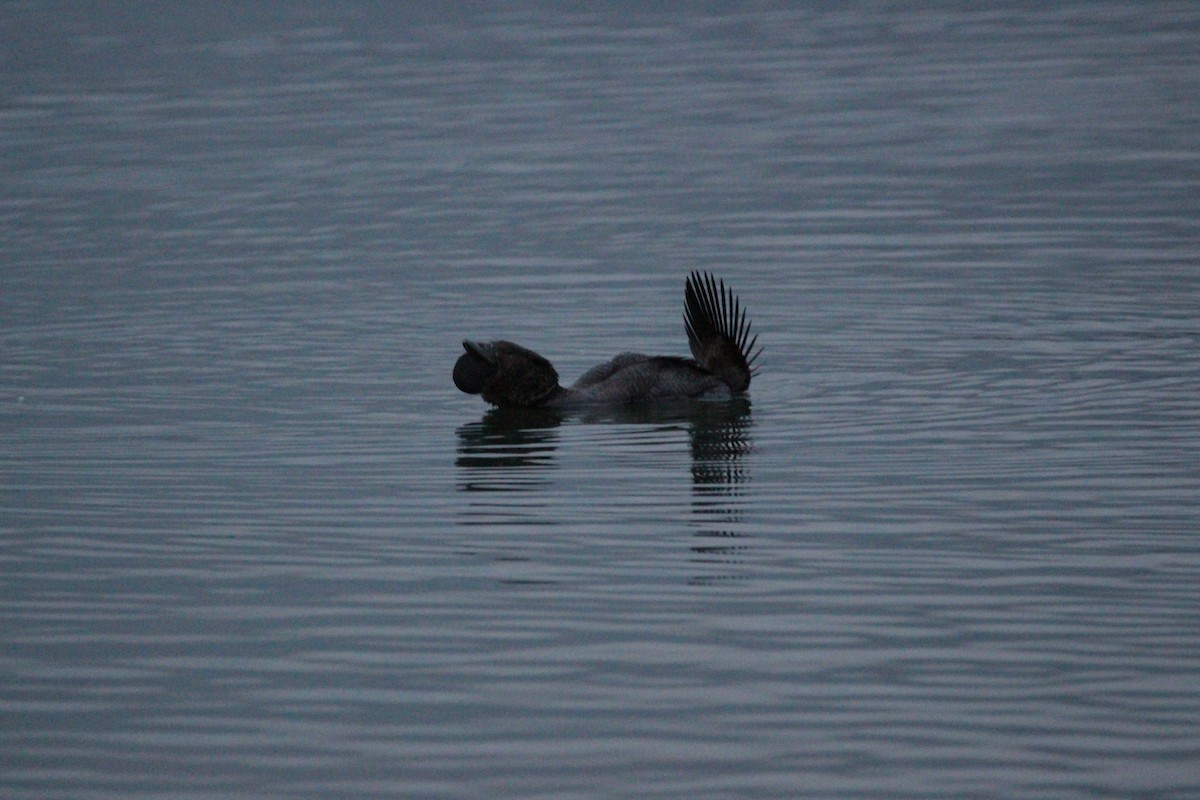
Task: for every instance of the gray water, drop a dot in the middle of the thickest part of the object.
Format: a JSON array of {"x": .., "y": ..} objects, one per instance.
[{"x": 253, "y": 543}]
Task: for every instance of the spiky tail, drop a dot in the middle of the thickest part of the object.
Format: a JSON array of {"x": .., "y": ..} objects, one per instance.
[{"x": 718, "y": 331}]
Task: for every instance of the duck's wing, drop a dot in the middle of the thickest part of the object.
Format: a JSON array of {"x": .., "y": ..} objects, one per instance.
[
  {"x": 602, "y": 372},
  {"x": 718, "y": 331}
]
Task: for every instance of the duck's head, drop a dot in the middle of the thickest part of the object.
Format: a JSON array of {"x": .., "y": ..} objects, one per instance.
[{"x": 505, "y": 374}]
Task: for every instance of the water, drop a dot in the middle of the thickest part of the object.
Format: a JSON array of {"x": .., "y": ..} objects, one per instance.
[{"x": 255, "y": 543}]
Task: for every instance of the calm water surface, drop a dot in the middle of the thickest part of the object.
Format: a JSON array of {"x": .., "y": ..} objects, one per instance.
[{"x": 254, "y": 543}]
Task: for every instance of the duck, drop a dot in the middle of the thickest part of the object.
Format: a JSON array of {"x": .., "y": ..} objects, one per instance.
[{"x": 508, "y": 375}]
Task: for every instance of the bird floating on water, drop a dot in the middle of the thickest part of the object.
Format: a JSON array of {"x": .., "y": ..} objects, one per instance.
[{"x": 722, "y": 363}]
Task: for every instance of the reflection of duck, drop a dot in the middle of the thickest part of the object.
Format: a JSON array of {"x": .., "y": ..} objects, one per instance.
[{"x": 506, "y": 374}]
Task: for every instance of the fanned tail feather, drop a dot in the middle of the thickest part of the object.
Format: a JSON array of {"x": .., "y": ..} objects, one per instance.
[{"x": 718, "y": 331}]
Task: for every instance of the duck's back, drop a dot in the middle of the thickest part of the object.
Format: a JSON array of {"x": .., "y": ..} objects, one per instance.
[{"x": 634, "y": 377}]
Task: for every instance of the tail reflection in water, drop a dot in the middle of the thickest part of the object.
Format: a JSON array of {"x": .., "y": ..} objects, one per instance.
[
  {"x": 613, "y": 470},
  {"x": 719, "y": 482}
]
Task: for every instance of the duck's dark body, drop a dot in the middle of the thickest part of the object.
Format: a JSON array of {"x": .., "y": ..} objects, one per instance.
[{"x": 506, "y": 374}]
